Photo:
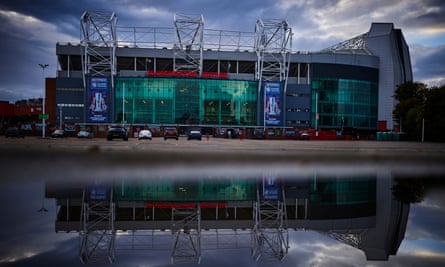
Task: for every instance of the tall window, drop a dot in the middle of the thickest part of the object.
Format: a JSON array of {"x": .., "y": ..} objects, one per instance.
[
  {"x": 186, "y": 101},
  {"x": 344, "y": 103}
]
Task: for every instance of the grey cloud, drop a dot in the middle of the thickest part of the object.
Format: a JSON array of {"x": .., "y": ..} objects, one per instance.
[{"x": 428, "y": 62}]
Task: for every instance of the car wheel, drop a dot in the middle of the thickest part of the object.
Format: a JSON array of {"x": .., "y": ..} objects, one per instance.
[{"x": 109, "y": 139}]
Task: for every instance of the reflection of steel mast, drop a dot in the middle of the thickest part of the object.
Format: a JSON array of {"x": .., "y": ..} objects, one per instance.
[
  {"x": 97, "y": 230},
  {"x": 189, "y": 43},
  {"x": 186, "y": 228},
  {"x": 270, "y": 235}
]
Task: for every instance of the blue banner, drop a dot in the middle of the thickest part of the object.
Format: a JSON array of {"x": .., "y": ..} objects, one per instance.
[
  {"x": 272, "y": 104},
  {"x": 271, "y": 188},
  {"x": 98, "y": 99}
]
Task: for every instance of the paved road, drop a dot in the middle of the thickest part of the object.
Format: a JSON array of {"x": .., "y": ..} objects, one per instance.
[{"x": 73, "y": 158}]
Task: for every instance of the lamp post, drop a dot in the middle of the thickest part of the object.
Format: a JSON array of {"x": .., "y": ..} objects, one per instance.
[
  {"x": 43, "y": 66},
  {"x": 60, "y": 117}
]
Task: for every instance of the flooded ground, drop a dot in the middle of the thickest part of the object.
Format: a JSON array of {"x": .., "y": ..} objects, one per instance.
[{"x": 340, "y": 199}]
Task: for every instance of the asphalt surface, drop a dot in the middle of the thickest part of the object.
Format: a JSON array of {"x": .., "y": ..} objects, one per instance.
[{"x": 97, "y": 158}]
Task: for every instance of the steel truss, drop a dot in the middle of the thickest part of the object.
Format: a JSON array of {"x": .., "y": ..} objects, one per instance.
[
  {"x": 97, "y": 230},
  {"x": 270, "y": 236},
  {"x": 186, "y": 230},
  {"x": 273, "y": 40},
  {"x": 349, "y": 237},
  {"x": 189, "y": 43},
  {"x": 356, "y": 45},
  {"x": 98, "y": 42}
]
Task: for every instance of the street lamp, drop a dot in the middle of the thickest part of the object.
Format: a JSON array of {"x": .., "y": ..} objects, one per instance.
[
  {"x": 43, "y": 66},
  {"x": 60, "y": 117}
]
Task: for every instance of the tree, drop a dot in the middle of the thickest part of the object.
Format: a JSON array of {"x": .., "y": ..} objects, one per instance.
[
  {"x": 409, "y": 112},
  {"x": 435, "y": 114},
  {"x": 409, "y": 190}
]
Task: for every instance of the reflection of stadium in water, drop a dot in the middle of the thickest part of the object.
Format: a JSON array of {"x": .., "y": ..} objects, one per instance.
[{"x": 189, "y": 215}]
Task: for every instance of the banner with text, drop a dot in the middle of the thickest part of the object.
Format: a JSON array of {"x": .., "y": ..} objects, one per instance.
[
  {"x": 272, "y": 104},
  {"x": 98, "y": 100}
]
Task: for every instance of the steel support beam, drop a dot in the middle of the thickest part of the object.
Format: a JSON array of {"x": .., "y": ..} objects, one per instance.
[
  {"x": 98, "y": 233},
  {"x": 188, "y": 46},
  {"x": 273, "y": 40},
  {"x": 98, "y": 42},
  {"x": 186, "y": 230},
  {"x": 270, "y": 237}
]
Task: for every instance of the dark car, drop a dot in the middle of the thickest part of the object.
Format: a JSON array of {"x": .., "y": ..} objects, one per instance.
[
  {"x": 117, "y": 131},
  {"x": 258, "y": 134},
  {"x": 194, "y": 134},
  {"x": 304, "y": 135},
  {"x": 231, "y": 133},
  {"x": 14, "y": 132},
  {"x": 58, "y": 133},
  {"x": 171, "y": 132}
]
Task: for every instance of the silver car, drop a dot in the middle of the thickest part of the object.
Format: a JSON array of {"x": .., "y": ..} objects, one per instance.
[
  {"x": 144, "y": 134},
  {"x": 84, "y": 134}
]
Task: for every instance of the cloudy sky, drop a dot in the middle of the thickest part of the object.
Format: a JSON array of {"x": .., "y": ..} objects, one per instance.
[{"x": 30, "y": 29}]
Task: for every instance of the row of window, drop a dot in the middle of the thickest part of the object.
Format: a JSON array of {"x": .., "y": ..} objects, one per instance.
[
  {"x": 70, "y": 105},
  {"x": 297, "y": 122},
  {"x": 188, "y": 101},
  {"x": 341, "y": 102},
  {"x": 297, "y": 95},
  {"x": 298, "y": 110}
]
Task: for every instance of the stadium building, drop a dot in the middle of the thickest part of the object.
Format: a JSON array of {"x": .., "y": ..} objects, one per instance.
[{"x": 189, "y": 75}]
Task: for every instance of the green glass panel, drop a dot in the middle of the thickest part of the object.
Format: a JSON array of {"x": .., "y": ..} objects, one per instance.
[
  {"x": 343, "y": 102},
  {"x": 186, "y": 101},
  {"x": 182, "y": 190}
]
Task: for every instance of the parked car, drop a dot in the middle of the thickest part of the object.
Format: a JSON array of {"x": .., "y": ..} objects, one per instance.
[
  {"x": 84, "y": 134},
  {"x": 231, "y": 133},
  {"x": 144, "y": 134},
  {"x": 258, "y": 134},
  {"x": 304, "y": 135},
  {"x": 58, "y": 133},
  {"x": 194, "y": 134},
  {"x": 171, "y": 132},
  {"x": 14, "y": 132},
  {"x": 117, "y": 131}
]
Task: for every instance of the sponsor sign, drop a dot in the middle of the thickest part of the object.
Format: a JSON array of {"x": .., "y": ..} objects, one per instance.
[
  {"x": 98, "y": 99},
  {"x": 271, "y": 188},
  {"x": 272, "y": 104}
]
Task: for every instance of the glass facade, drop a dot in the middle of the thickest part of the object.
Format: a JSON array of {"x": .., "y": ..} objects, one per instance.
[
  {"x": 343, "y": 102},
  {"x": 185, "y": 101},
  {"x": 210, "y": 189},
  {"x": 343, "y": 191}
]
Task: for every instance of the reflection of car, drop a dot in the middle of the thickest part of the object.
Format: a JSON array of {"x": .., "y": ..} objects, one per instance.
[
  {"x": 304, "y": 135},
  {"x": 84, "y": 134},
  {"x": 14, "y": 132},
  {"x": 117, "y": 131},
  {"x": 58, "y": 133},
  {"x": 171, "y": 132},
  {"x": 194, "y": 134},
  {"x": 144, "y": 134},
  {"x": 231, "y": 133},
  {"x": 258, "y": 134}
]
